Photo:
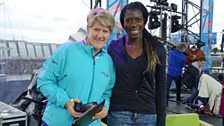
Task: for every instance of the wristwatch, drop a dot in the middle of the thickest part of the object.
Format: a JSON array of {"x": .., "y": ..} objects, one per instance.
[{"x": 72, "y": 102}]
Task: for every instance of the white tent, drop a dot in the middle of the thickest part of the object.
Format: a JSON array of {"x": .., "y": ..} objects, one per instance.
[{"x": 80, "y": 35}]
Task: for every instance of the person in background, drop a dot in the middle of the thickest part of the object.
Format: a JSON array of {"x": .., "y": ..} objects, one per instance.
[
  {"x": 191, "y": 78},
  {"x": 195, "y": 53},
  {"x": 176, "y": 63},
  {"x": 222, "y": 61},
  {"x": 211, "y": 93},
  {"x": 222, "y": 44},
  {"x": 79, "y": 72},
  {"x": 221, "y": 111},
  {"x": 139, "y": 95}
]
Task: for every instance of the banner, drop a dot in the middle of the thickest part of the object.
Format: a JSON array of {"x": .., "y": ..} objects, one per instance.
[
  {"x": 206, "y": 29},
  {"x": 115, "y": 7}
]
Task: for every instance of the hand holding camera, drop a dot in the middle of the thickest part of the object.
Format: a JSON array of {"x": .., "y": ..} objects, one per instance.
[
  {"x": 70, "y": 107},
  {"x": 79, "y": 107},
  {"x": 92, "y": 111}
]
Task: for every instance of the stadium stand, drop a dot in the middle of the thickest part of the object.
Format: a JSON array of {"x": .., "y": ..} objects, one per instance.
[{"x": 22, "y": 57}]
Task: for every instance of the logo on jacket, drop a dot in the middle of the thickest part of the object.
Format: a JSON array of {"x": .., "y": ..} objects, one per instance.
[{"x": 105, "y": 74}]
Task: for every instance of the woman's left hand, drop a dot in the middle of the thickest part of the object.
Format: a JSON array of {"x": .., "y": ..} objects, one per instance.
[{"x": 101, "y": 114}]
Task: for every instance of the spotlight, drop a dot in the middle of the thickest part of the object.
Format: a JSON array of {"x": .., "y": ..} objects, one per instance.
[
  {"x": 160, "y": 2},
  {"x": 175, "y": 17},
  {"x": 153, "y": 20},
  {"x": 174, "y": 7},
  {"x": 154, "y": 1},
  {"x": 175, "y": 26}
]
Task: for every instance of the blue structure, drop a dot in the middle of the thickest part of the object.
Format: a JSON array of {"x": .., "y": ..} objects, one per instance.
[
  {"x": 115, "y": 7},
  {"x": 206, "y": 29}
]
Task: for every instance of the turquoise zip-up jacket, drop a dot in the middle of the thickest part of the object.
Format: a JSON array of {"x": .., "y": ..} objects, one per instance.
[{"x": 73, "y": 72}]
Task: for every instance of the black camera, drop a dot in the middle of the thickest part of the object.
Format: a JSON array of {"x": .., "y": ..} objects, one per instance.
[{"x": 79, "y": 107}]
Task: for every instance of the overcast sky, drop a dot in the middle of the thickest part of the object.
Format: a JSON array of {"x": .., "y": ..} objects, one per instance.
[{"x": 55, "y": 20}]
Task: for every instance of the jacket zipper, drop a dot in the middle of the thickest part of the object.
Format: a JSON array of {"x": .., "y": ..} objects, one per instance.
[{"x": 93, "y": 74}]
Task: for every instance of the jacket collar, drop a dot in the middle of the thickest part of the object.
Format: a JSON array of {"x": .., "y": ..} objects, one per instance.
[{"x": 90, "y": 49}]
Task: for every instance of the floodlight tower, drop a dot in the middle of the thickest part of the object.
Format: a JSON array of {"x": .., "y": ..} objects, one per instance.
[{"x": 167, "y": 20}]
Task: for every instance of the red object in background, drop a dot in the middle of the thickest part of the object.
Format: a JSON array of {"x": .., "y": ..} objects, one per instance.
[{"x": 193, "y": 55}]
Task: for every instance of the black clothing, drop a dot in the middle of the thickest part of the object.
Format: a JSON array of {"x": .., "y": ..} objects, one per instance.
[
  {"x": 136, "y": 90},
  {"x": 191, "y": 77}
]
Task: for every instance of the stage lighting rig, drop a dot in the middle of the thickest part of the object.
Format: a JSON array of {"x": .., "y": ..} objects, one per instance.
[
  {"x": 175, "y": 26},
  {"x": 174, "y": 7},
  {"x": 154, "y": 20},
  {"x": 160, "y": 2}
]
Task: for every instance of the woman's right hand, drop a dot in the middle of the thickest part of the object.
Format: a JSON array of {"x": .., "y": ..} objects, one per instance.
[{"x": 69, "y": 105}]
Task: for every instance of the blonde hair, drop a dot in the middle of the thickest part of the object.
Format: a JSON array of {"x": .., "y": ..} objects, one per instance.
[{"x": 102, "y": 16}]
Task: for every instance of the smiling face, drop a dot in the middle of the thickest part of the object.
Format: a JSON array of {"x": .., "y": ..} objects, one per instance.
[
  {"x": 98, "y": 35},
  {"x": 134, "y": 23}
]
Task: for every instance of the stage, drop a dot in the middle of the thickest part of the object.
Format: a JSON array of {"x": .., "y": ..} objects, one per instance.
[{"x": 10, "y": 90}]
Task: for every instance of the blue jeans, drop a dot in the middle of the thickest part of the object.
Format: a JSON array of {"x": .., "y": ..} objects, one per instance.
[
  {"x": 126, "y": 118},
  {"x": 194, "y": 94},
  {"x": 177, "y": 81}
]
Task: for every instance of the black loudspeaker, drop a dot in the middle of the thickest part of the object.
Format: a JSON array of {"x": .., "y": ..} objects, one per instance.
[
  {"x": 153, "y": 20},
  {"x": 175, "y": 26}
]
